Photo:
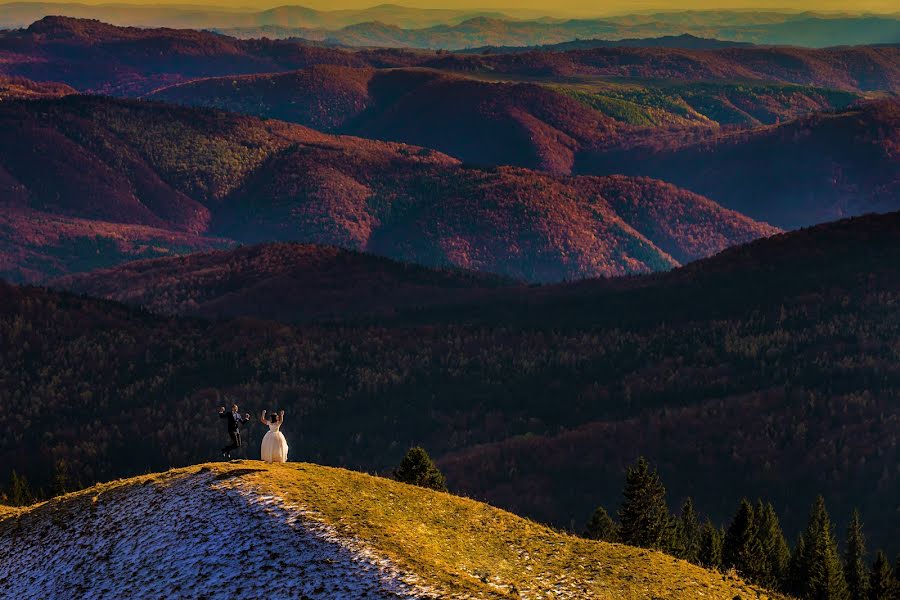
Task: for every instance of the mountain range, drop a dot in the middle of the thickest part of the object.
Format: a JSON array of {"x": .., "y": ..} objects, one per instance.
[
  {"x": 100, "y": 58},
  {"x": 169, "y": 176},
  {"x": 492, "y": 32},
  {"x": 813, "y": 169},
  {"x": 393, "y": 25}
]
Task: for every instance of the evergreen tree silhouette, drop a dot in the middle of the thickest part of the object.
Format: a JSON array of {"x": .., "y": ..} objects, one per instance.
[
  {"x": 417, "y": 468},
  {"x": 709, "y": 553},
  {"x": 602, "y": 527},
  {"x": 819, "y": 574},
  {"x": 774, "y": 548},
  {"x": 644, "y": 518},
  {"x": 689, "y": 531},
  {"x": 881, "y": 580},
  {"x": 855, "y": 560},
  {"x": 740, "y": 548}
]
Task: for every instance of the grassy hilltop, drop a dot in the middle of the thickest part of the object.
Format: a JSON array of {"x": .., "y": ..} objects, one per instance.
[{"x": 309, "y": 531}]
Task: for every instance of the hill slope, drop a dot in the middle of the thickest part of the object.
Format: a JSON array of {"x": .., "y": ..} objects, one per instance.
[
  {"x": 547, "y": 126},
  {"x": 101, "y": 58},
  {"x": 283, "y": 282},
  {"x": 303, "y": 530},
  {"x": 857, "y": 68},
  {"x": 477, "y": 121},
  {"x": 776, "y": 359},
  {"x": 813, "y": 169},
  {"x": 93, "y": 56},
  {"x": 218, "y": 175}
]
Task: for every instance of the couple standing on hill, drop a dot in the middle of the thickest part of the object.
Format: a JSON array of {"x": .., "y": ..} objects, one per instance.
[{"x": 274, "y": 445}]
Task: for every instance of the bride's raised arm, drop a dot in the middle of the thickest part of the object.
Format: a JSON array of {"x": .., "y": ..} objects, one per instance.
[
  {"x": 262, "y": 418},
  {"x": 281, "y": 417}
]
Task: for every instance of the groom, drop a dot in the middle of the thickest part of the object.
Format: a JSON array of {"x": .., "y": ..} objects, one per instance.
[{"x": 234, "y": 419}]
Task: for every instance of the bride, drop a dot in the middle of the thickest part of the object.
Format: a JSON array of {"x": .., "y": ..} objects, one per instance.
[{"x": 274, "y": 445}]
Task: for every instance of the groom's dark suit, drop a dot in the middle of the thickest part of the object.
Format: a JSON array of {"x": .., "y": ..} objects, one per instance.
[{"x": 234, "y": 421}]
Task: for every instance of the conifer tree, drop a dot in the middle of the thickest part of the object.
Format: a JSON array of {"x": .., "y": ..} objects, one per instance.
[
  {"x": 881, "y": 581},
  {"x": 897, "y": 576},
  {"x": 820, "y": 574},
  {"x": 855, "y": 560},
  {"x": 709, "y": 553},
  {"x": 60, "y": 478},
  {"x": 417, "y": 468},
  {"x": 602, "y": 527},
  {"x": 797, "y": 568},
  {"x": 773, "y": 546},
  {"x": 689, "y": 531},
  {"x": 644, "y": 518},
  {"x": 740, "y": 548},
  {"x": 19, "y": 491}
]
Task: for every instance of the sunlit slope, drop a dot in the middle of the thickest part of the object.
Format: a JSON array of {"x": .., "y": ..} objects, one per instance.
[{"x": 247, "y": 528}]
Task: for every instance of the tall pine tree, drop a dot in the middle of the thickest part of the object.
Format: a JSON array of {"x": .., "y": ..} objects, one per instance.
[
  {"x": 689, "y": 532},
  {"x": 602, "y": 527},
  {"x": 773, "y": 546},
  {"x": 881, "y": 580},
  {"x": 709, "y": 553},
  {"x": 819, "y": 573},
  {"x": 61, "y": 483},
  {"x": 855, "y": 560},
  {"x": 644, "y": 518},
  {"x": 19, "y": 491},
  {"x": 740, "y": 548}
]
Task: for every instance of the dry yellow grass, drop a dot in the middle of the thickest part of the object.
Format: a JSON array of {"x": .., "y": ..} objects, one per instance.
[{"x": 459, "y": 546}]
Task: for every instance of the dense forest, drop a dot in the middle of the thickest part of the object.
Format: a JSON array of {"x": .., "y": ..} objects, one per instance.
[
  {"x": 123, "y": 179},
  {"x": 772, "y": 361}
]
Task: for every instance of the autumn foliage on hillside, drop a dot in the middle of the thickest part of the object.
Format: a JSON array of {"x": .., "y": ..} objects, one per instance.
[
  {"x": 220, "y": 175},
  {"x": 813, "y": 169},
  {"x": 850, "y": 68}
]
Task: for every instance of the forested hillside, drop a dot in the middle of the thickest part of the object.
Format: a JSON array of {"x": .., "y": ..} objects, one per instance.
[
  {"x": 770, "y": 359},
  {"x": 121, "y": 179}
]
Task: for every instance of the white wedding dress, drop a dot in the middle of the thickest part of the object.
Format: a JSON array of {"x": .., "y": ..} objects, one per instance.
[{"x": 274, "y": 445}]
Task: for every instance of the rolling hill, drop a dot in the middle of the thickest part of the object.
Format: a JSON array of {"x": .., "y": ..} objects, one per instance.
[
  {"x": 19, "y": 87},
  {"x": 852, "y": 68},
  {"x": 770, "y": 360},
  {"x": 812, "y": 169},
  {"x": 126, "y": 61},
  {"x": 477, "y": 121},
  {"x": 301, "y": 530},
  {"x": 543, "y": 126},
  {"x": 479, "y": 31},
  {"x": 284, "y": 282},
  {"x": 101, "y": 58},
  {"x": 228, "y": 178}
]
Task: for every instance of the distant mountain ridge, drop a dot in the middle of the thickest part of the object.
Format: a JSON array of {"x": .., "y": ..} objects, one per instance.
[
  {"x": 220, "y": 178},
  {"x": 684, "y": 40},
  {"x": 101, "y": 58},
  {"x": 483, "y": 31},
  {"x": 496, "y": 122},
  {"x": 813, "y": 169}
]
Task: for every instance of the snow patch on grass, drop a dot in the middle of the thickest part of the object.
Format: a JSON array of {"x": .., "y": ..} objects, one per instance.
[{"x": 190, "y": 537}]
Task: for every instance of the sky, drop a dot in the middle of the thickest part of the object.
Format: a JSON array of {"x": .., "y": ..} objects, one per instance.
[{"x": 549, "y": 7}]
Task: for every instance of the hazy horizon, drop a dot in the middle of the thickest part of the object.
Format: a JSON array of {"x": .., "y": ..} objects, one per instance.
[{"x": 535, "y": 8}]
